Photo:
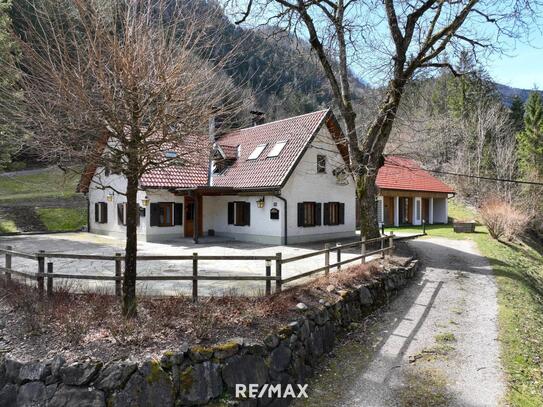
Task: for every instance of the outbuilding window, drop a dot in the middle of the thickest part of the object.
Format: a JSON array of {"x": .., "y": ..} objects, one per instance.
[
  {"x": 100, "y": 212},
  {"x": 309, "y": 214},
  {"x": 239, "y": 213}
]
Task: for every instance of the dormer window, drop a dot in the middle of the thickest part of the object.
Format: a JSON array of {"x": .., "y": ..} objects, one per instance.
[
  {"x": 277, "y": 148},
  {"x": 257, "y": 151}
]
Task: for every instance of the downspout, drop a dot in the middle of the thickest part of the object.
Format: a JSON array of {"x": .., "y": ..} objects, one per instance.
[
  {"x": 285, "y": 217},
  {"x": 88, "y": 212}
]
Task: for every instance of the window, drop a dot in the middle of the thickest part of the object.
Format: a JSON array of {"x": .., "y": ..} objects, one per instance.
[
  {"x": 100, "y": 212},
  {"x": 309, "y": 214},
  {"x": 334, "y": 213},
  {"x": 257, "y": 151},
  {"x": 239, "y": 213},
  {"x": 121, "y": 214},
  {"x": 321, "y": 164},
  {"x": 277, "y": 148},
  {"x": 165, "y": 217},
  {"x": 166, "y": 214}
]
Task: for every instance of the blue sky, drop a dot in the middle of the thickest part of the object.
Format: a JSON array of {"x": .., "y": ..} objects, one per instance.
[{"x": 521, "y": 68}]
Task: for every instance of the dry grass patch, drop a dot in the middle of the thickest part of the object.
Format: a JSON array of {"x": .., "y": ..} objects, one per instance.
[{"x": 91, "y": 325}]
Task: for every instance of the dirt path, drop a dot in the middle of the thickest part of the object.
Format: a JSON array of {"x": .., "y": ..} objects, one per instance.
[{"x": 436, "y": 345}]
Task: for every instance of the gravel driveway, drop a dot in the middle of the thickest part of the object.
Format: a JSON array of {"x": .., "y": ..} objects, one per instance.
[{"x": 435, "y": 345}]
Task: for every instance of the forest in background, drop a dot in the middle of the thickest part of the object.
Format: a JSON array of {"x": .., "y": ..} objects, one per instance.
[{"x": 466, "y": 124}]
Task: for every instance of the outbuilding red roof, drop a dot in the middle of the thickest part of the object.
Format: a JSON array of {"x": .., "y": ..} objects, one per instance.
[{"x": 405, "y": 174}]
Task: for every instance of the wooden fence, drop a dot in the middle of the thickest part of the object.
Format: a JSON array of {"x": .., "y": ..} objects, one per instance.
[{"x": 45, "y": 274}]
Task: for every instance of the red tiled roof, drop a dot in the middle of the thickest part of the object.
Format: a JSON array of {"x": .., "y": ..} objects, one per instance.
[
  {"x": 265, "y": 172},
  {"x": 230, "y": 152},
  {"x": 405, "y": 174},
  {"x": 193, "y": 172}
]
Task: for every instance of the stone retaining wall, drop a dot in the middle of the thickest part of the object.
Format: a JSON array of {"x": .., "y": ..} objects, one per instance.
[{"x": 199, "y": 375}]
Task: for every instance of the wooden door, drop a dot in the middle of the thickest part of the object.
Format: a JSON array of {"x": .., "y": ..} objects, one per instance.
[
  {"x": 425, "y": 209},
  {"x": 189, "y": 216}
]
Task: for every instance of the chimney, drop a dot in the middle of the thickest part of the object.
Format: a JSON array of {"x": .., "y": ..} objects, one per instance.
[
  {"x": 258, "y": 117},
  {"x": 215, "y": 124}
]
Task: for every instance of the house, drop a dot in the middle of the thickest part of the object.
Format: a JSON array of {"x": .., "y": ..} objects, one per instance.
[
  {"x": 275, "y": 183},
  {"x": 409, "y": 195}
]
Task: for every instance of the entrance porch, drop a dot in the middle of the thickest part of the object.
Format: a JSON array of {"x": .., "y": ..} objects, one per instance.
[{"x": 399, "y": 208}]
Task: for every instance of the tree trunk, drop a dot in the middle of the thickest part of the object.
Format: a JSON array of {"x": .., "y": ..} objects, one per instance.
[
  {"x": 372, "y": 149},
  {"x": 366, "y": 193},
  {"x": 130, "y": 265}
]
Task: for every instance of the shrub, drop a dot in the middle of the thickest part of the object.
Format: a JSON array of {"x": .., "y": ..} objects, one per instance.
[{"x": 503, "y": 219}]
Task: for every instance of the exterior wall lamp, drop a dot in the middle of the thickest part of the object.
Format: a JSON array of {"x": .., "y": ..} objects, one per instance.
[
  {"x": 109, "y": 197},
  {"x": 260, "y": 202},
  {"x": 145, "y": 201}
]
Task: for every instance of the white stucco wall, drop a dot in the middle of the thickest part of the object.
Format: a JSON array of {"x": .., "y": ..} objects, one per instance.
[
  {"x": 261, "y": 230},
  {"x": 98, "y": 192},
  {"x": 305, "y": 184}
]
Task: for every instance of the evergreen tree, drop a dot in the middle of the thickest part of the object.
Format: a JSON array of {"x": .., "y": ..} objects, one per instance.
[
  {"x": 530, "y": 140},
  {"x": 517, "y": 113}
]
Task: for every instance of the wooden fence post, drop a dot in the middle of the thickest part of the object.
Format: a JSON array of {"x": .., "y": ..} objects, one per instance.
[
  {"x": 41, "y": 270},
  {"x": 383, "y": 247},
  {"x": 363, "y": 249},
  {"x": 391, "y": 244},
  {"x": 268, "y": 274},
  {"x": 195, "y": 277},
  {"x": 338, "y": 249},
  {"x": 118, "y": 273},
  {"x": 327, "y": 258},
  {"x": 278, "y": 272},
  {"x": 50, "y": 279},
  {"x": 8, "y": 263}
]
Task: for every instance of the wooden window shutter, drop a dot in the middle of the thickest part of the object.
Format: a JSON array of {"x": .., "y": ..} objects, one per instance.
[
  {"x": 120, "y": 214},
  {"x": 138, "y": 216},
  {"x": 300, "y": 214},
  {"x": 230, "y": 213},
  {"x": 97, "y": 212},
  {"x": 177, "y": 214},
  {"x": 104, "y": 212},
  {"x": 341, "y": 213},
  {"x": 247, "y": 213},
  {"x": 155, "y": 214},
  {"x": 318, "y": 216},
  {"x": 326, "y": 220}
]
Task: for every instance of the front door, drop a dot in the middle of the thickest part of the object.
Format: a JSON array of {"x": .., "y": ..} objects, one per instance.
[{"x": 190, "y": 216}]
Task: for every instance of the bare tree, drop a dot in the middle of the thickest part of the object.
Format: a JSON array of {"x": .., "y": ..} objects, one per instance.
[
  {"x": 393, "y": 41},
  {"x": 117, "y": 84}
]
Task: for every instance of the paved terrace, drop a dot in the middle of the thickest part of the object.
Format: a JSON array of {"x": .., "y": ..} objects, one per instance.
[{"x": 87, "y": 243}]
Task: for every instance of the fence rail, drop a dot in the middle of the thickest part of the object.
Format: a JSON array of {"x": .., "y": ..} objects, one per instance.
[{"x": 45, "y": 271}]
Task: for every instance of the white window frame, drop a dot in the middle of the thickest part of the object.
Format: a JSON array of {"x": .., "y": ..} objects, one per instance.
[
  {"x": 257, "y": 152},
  {"x": 277, "y": 148}
]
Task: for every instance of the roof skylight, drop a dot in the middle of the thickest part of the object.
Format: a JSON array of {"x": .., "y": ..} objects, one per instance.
[
  {"x": 257, "y": 151},
  {"x": 277, "y": 148}
]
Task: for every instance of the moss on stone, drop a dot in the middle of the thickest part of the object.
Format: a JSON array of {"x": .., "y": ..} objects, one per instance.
[
  {"x": 226, "y": 346},
  {"x": 156, "y": 372},
  {"x": 185, "y": 379}
]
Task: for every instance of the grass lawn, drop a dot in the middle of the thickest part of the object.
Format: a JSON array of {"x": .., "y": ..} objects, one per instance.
[
  {"x": 50, "y": 183},
  {"x": 7, "y": 226},
  {"x": 62, "y": 218},
  {"x": 519, "y": 273}
]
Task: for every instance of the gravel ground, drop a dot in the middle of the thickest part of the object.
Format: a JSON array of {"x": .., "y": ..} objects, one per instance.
[
  {"x": 88, "y": 243},
  {"x": 435, "y": 345}
]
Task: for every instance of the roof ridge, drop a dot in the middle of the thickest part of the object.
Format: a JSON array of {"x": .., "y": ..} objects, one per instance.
[{"x": 280, "y": 120}]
